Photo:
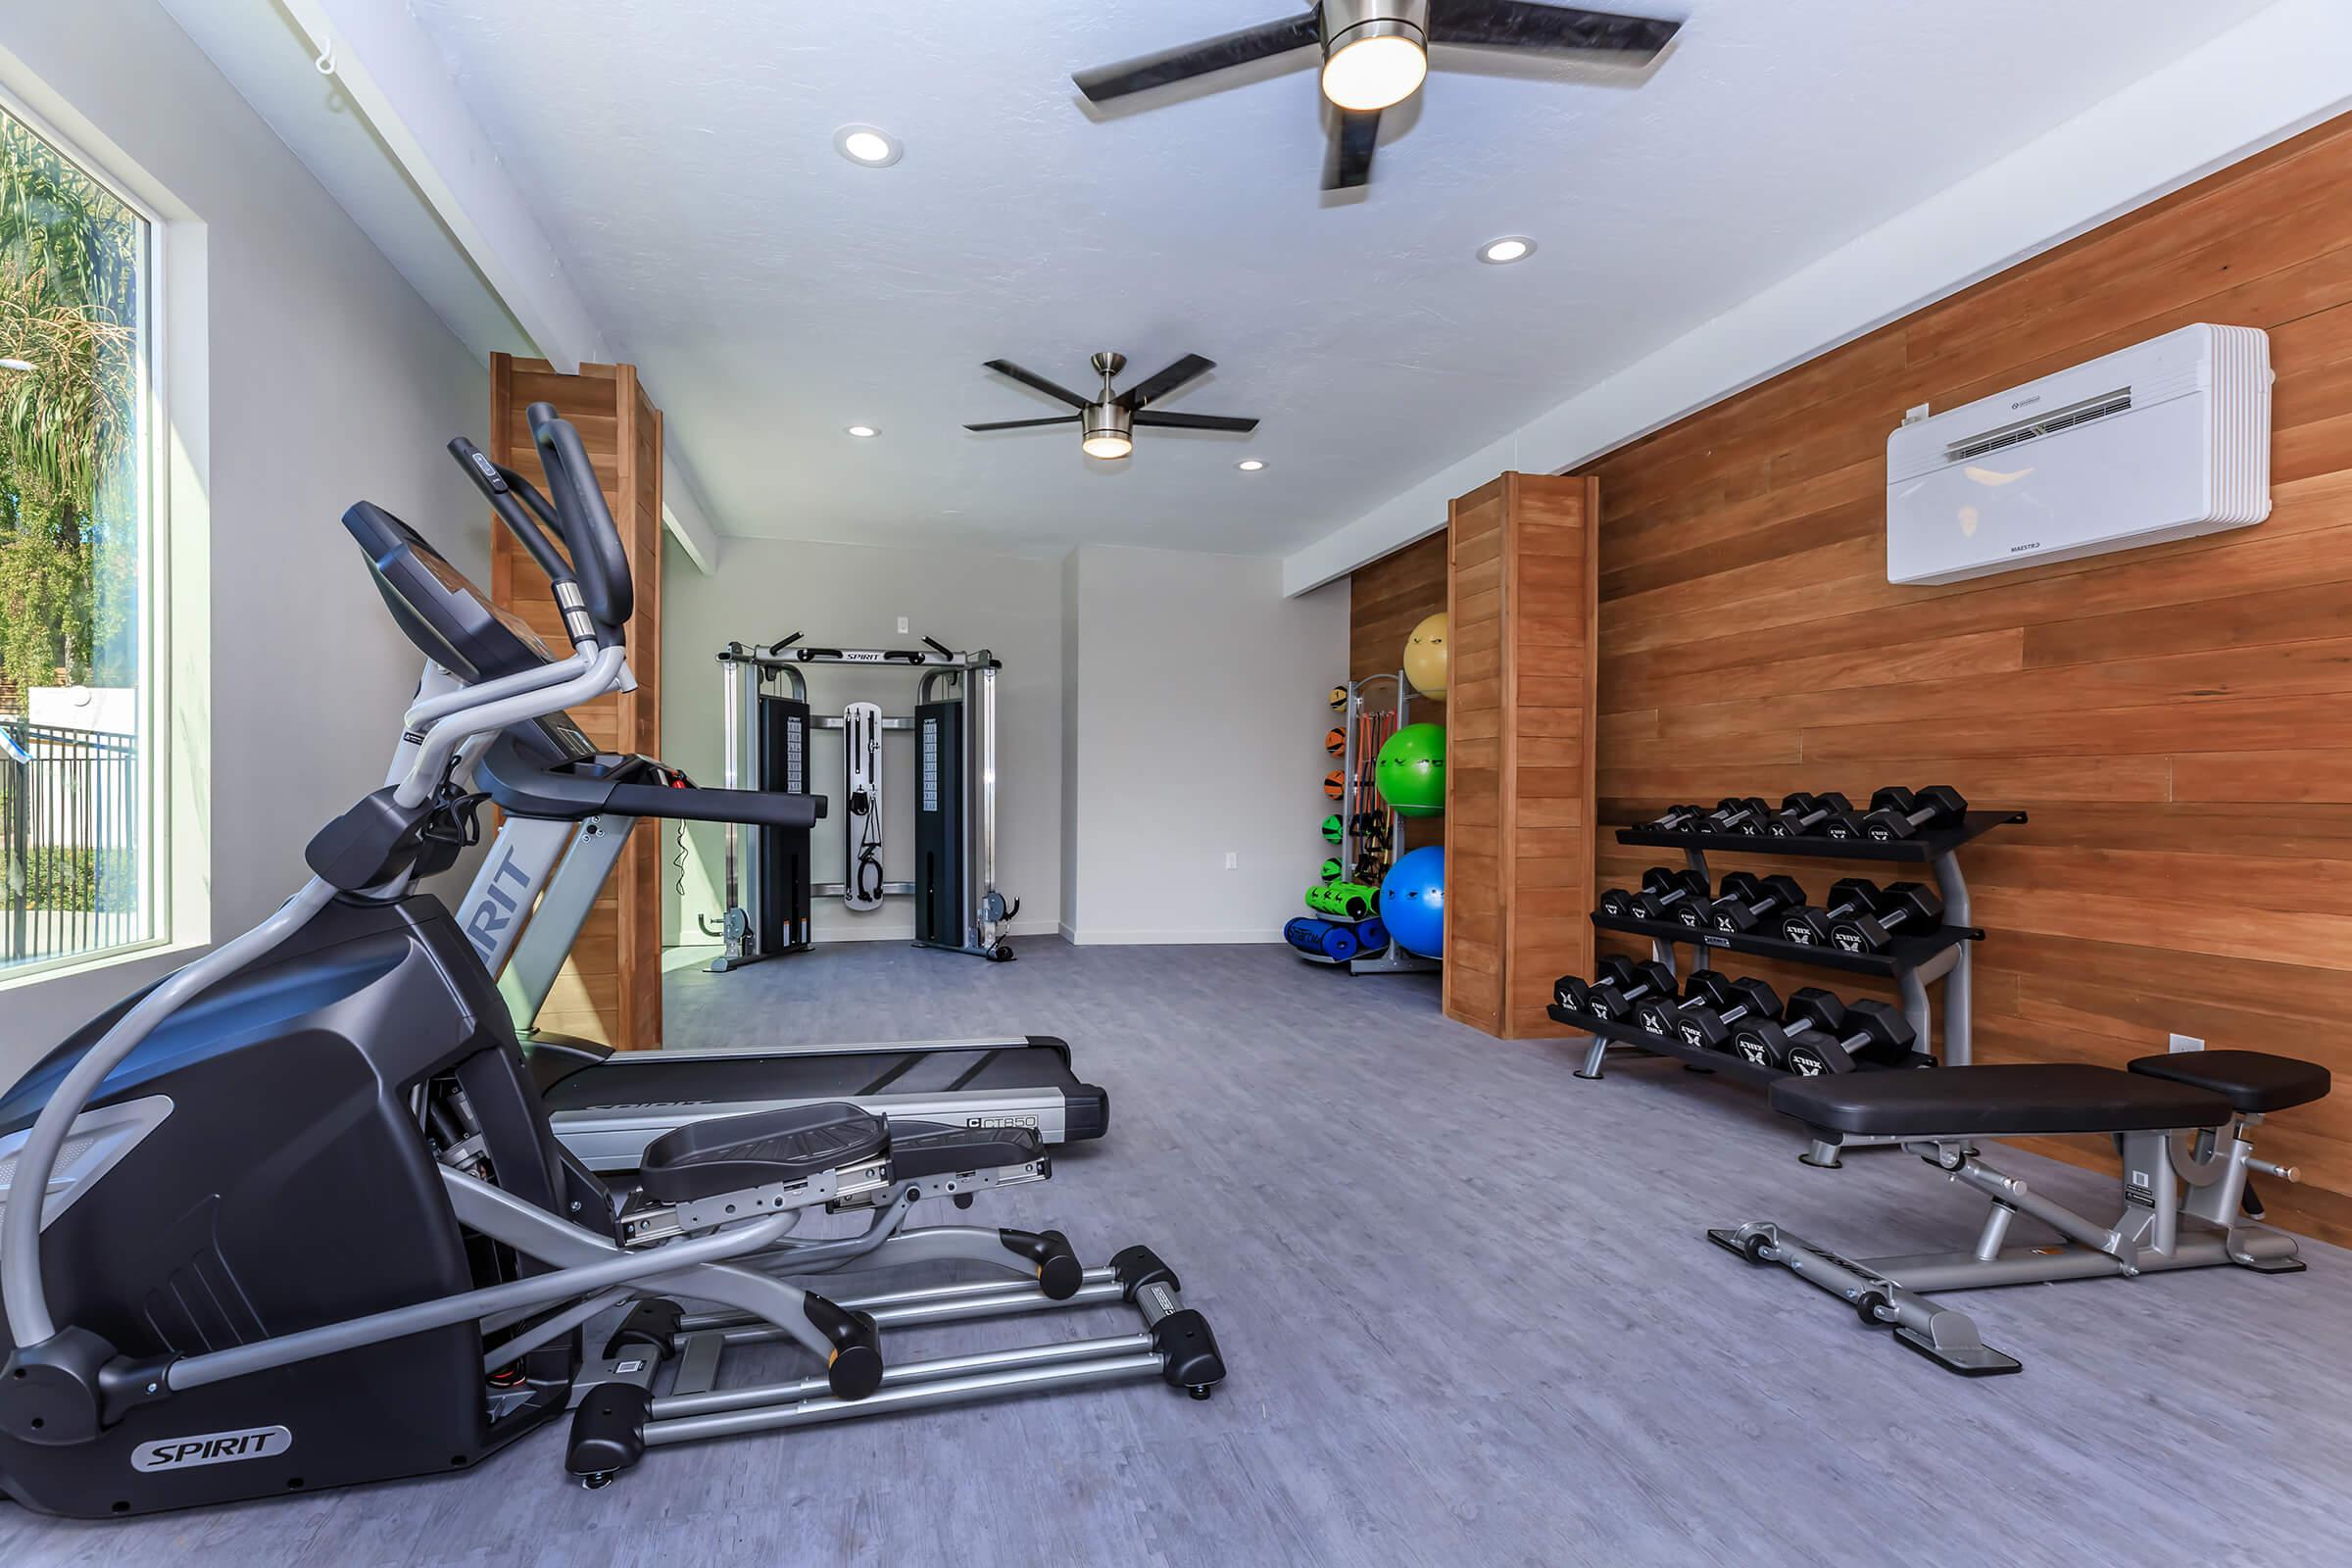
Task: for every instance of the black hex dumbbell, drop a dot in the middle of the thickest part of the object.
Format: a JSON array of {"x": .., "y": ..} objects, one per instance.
[
  {"x": 1712, "y": 1005},
  {"x": 1747, "y": 899},
  {"x": 1810, "y": 926},
  {"x": 1733, "y": 815},
  {"x": 1900, "y": 813},
  {"x": 1903, "y": 906},
  {"x": 1818, "y": 1034},
  {"x": 1661, "y": 889},
  {"x": 1624, "y": 983},
  {"x": 1678, "y": 819},
  {"x": 1574, "y": 990},
  {"x": 1845, "y": 825},
  {"x": 1802, "y": 813}
]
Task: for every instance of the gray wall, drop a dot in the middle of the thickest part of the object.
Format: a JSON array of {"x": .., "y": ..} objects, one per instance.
[
  {"x": 853, "y": 596},
  {"x": 307, "y": 375},
  {"x": 1198, "y": 725}
]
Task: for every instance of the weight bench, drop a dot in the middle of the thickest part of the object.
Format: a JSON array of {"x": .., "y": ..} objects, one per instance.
[{"x": 2183, "y": 1123}]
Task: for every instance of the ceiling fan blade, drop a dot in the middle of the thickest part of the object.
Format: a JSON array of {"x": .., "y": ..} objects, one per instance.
[
  {"x": 1352, "y": 142},
  {"x": 1153, "y": 388},
  {"x": 1025, "y": 424},
  {"x": 1105, "y": 82},
  {"x": 1522, "y": 24},
  {"x": 1196, "y": 421},
  {"x": 1032, "y": 379}
]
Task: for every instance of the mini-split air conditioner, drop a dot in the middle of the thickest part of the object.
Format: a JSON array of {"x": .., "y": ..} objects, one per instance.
[{"x": 2167, "y": 439}]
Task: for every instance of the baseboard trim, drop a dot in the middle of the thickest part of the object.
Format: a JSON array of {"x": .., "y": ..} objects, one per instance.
[{"x": 1171, "y": 939}]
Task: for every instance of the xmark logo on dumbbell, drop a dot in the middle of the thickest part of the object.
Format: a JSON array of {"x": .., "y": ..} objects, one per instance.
[
  {"x": 1621, "y": 984},
  {"x": 1819, "y": 1035},
  {"x": 1712, "y": 1005},
  {"x": 1809, "y": 927},
  {"x": 1802, "y": 813},
  {"x": 1906, "y": 906},
  {"x": 1662, "y": 888}
]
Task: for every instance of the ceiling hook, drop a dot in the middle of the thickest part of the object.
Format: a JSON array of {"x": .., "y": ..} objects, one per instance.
[{"x": 326, "y": 63}]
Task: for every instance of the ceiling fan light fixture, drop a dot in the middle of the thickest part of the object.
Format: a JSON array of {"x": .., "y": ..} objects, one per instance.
[
  {"x": 1108, "y": 432},
  {"x": 1378, "y": 65},
  {"x": 1375, "y": 52}
]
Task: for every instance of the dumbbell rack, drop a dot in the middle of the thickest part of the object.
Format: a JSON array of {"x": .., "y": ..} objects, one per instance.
[{"x": 1913, "y": 962}]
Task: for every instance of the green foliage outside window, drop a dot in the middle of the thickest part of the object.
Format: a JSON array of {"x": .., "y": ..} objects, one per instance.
[{"x": 69, "y": 307}]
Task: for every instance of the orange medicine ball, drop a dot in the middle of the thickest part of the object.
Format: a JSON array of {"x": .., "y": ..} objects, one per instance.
[{"x": 1335, "y": 785}]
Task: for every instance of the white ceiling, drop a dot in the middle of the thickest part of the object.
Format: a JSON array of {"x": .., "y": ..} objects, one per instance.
[{"x": 679, "y": 152}]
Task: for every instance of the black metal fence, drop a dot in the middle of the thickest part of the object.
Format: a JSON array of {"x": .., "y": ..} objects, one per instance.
[{"x": 69, "y": 830}]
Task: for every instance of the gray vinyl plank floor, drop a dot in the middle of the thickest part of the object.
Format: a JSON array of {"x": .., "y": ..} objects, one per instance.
[{"x": 1468, "y": 1309}]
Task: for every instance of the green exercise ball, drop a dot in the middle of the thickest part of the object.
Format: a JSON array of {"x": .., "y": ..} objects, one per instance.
[
  {"x": 1332, "y": 870},
  {"x": 1411, "y": 772},
  {"x": 1334, "y": 829}
]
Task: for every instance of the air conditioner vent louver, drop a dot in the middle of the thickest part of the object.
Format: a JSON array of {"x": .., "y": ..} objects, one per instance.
[
  {"x": 2167, "y": 439},
  {"x": 2050, "y": 423}
]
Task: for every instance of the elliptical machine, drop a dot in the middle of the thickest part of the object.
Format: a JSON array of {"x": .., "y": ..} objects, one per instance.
[{"x": 293, "y": 1217}]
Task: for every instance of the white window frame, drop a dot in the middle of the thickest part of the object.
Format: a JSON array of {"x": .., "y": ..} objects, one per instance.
[{"x": 161, "y": 864}]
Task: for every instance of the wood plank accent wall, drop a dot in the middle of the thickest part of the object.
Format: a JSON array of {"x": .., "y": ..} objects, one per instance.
[
  {"x": 2177, "y": 719},
  {"x": 611, "y": 991},
  {"x": 1386, "y": 599},
  {"x": 1519, "y": 764}
]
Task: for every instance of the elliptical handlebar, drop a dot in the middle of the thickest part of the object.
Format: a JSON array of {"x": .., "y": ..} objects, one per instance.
[
  {"x": 597, "y": 557},
  {"x": 501, "y": 487}
]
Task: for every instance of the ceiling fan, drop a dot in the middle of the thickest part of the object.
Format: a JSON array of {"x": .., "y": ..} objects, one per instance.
[
  {"x": 1376, "y": 53},
  {"x": 1108, "y": 422}
]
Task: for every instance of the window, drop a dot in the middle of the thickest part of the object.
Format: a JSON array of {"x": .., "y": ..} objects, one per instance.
[{"x": 79, "y": 846}]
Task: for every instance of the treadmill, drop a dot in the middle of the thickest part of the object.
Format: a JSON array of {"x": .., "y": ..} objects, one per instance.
[{"x": 568, "y": 813}]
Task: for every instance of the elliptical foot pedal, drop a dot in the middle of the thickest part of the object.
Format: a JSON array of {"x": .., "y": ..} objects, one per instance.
[{"x": 608, "y": 1433}]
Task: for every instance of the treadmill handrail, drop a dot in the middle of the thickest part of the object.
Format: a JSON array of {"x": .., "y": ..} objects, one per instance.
[{"x": 522, "y": 787}]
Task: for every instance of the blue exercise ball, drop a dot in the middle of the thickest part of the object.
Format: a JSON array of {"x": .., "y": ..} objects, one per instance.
[{"x": 1412, "y": 901}]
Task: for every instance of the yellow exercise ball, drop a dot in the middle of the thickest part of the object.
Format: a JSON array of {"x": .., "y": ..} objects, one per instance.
[{"x": 1425, "y": 657}]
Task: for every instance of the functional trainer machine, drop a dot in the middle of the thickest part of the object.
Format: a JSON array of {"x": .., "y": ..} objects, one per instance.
[
  {"x": 768, "y": 722},
  {"x": 2182, "y": 1122},
  {"x": 293, "y": 1217}
]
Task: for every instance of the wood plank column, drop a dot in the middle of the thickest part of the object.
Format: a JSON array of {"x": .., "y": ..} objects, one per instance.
[
  {"x": 611, "y": 988},
  {"x": 1522, "y": 580}
]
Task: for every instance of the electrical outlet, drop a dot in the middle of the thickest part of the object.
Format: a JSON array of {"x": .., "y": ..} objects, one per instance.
[
  {"x": 1233, "y": 861},
  {"x": 902, "y": 626},
  {"x": 2185, "y": 1042}
]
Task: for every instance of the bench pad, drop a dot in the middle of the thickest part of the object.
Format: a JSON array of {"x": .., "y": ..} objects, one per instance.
[
  {"x": 2250, "y": 1080},
  {"x": 2010, "y": 1097}
]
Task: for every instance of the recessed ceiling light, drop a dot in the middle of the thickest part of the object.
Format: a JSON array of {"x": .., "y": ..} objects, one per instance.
[
  {"x": 864, "y": 431},
  {"x": 1510, "y": 248},
  {"x": 1250, "y": 465},
  {"x": 864, "y": 144}
]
